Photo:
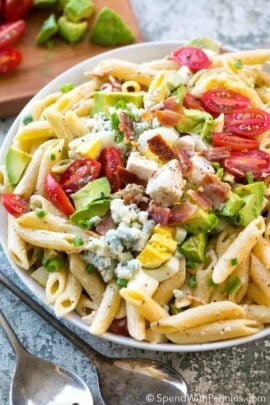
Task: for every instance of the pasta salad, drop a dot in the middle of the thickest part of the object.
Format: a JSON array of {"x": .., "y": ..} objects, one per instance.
[{"x": 140, "y": 198}]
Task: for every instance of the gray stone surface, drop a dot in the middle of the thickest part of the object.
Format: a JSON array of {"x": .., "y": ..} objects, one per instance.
[{"x": 228, "y": 376}]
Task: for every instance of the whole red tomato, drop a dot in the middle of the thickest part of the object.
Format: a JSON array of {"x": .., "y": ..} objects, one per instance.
[{"x": 14, "y": 10}]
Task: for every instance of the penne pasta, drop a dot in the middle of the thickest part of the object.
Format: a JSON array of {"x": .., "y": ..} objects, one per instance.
[
  {"x": 17, "y": 247},
  {"x": 55, "y": 286},
  {"x": 258, "y": 313},
  {"x": 260, "y": 275},
  {"x": 69, "y": 298}
]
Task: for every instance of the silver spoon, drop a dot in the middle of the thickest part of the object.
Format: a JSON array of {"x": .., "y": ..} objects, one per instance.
[{"x": 121, "y": 381}]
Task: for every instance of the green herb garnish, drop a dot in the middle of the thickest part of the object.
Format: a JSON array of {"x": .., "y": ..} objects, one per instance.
[
  {"x": 90, "y": 269},
  {"x": 220, "y": 172},
  {"x": 114, "y": 121},
  {"x": 53, "y": 157},
  {"x": 192, "y": 282},
  {"x": 121, "y": 104},
  {"x": 67, "y": 87},
  {"x": 234, "y": 261},
  {"x": 40, "y": 213},
  {"x": 27, "y": 119},
  {"x": 121, "y": 282},
  {"x": 233, "y": 284},
  {"x": 238, "y": 64},
  {"x": 191, "y": 264},
  {"x": 77, "y": 241},
  {"x": 119, "y": 137}
]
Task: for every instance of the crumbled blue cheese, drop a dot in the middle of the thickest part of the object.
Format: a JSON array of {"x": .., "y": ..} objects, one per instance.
[
  {"x": 120, "y": 244},
  {"x": 128, "y": 269}
]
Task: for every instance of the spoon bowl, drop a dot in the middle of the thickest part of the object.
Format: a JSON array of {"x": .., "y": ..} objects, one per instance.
[{"x": 39, "y": 382}]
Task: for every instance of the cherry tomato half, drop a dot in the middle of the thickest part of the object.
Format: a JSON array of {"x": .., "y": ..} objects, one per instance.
[
  {"x": 15, "y": 204},
  {"x": 247, "y": 121},
  {"x": 9, "y": 59},
  {"x": 219, "y": 101},
  {"x": 195, "y": 58},
  {"x": 78, "y": 174},
  {"x": 192, "y": 102},
  {"x": 15, "y": 10},
  {"x": 234, "y": 142},
  {"x": 110, "y": 159},
  {"x": 57, "y": 196},
  {"x": 255, "y": 161},
  {"x": 10, "y": 33}
]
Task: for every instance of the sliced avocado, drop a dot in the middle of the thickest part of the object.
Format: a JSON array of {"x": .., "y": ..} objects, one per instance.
[
  {"x": 201, "y": 222},
  {"x": 196, "y": 121},
  {"x": 96, "y": 208},
  {"x": 45, "y": 4},
  {"x": 77, "y": 10},
  {"x": 180, "y": 93},
  {"x": 103, "y": 101},
  {"x": 193, "y": 248},
  {"x": 61, "y": 4},
  {"x": 16, "y": 163},
  {"x": 70, "y": 31},
  {"x": 47, "y": 31},
  {"x": 110, "y": 29},
  {"x": 205, "y": 43},
  {"x": 232, "y": 205},
  {"x": 174, "y": 80},
  {"x": 95, "y": 190},
  {"x": 252, "y": 195}
]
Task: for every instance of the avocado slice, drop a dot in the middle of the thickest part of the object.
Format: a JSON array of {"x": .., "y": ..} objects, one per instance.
[
  {"x": 95, "y": 190},
  {"x": 205, "y": 43},
  {"x": 110, "y": 29},
  {"x": 252, "y": 195},
  {"x": 196, "y": 121},
  {"x": 96, "y": 208},
  {"x": 180, "y": 93},
  {"x": 201, "y": 222},
  {"x": 16, "y": 162},
  {"x": 232, "y": 206},
  {"x": 61, "y": 4},
  {"x": 70, "y": 31},
  {"x": 45, "y": 4},
  {"x": 103, "y": 101},
  {"x": 193, "y": 248},
  {"x": 77, "y": 10},
  {"x": 47, "y": 31}
]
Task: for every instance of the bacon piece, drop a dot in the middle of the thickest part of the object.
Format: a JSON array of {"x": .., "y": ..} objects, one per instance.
[
  {"x": 119, "y": 327},
  {"x": 200, "y": 199},
  {"x": 128, "y": 177},
  {"x": 215, "y": 190},
  {"x": 105, "y": 225},
  {"x": 126, "y": 125},
  {"x": 160, "y": 215},
  {"x": 168, "y": 118},
  {"x": 172, "y": 104},
  {"x": 181, "y": 213},
  {"x": 161, "y": 148},
  {"x": 186, "y": 164},
  {"x": 215, "y": 154}
]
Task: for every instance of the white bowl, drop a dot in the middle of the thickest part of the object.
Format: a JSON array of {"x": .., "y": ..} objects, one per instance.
[{"x": 135, "y": 53}]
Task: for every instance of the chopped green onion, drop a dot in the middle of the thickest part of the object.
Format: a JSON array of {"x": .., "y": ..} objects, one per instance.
[
  {"x": 90, "y": 269},
  {"x": 250, "y": 177},
  {"x": 114, "y": 121},
  {"x": 77, "y": 241},
  {"x": 191, "y": 264},
  {"x": 238, "y": 64},
  {"x": 234, "y": 261},
  {"x": 85, "y": 224},
  {"x": 121, "y": 282},
  {"x": 54, "y": 264},
  {"x": 220, "y": 172},
  {"x": 120, "y": 104},
  {"x": 211, "y": 283},
  {"x": 27, "y": 119},
  {"x": 119, "y": 137},
  {"x": 192, "y": 282},
  {"x": 216, "y": 166},
  {"x": 40, "y": 213},
  {"x": 233, "y": 284},
  {"x": 53, "y": 157},
  {"x": 67, "y": 87}
]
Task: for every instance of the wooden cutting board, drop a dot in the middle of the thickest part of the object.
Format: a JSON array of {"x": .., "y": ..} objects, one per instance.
[{"x": 41, "y": 65}]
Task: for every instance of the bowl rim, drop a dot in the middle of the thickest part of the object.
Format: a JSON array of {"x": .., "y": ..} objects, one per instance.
[{"x": 34, "y": 287}]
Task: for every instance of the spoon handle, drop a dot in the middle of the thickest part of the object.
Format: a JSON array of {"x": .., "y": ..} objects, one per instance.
[
  {"x": 94, "y": 356},
  {"x": 14, "y": 341}
]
